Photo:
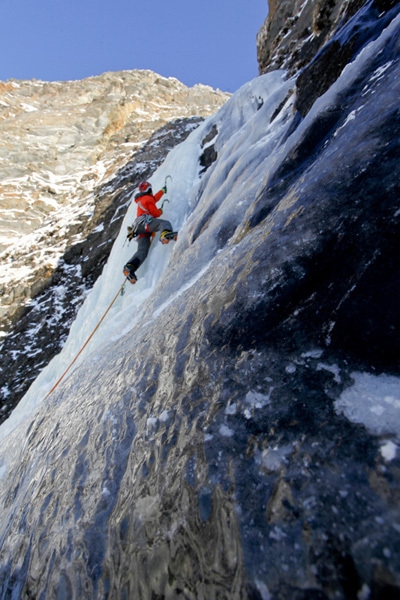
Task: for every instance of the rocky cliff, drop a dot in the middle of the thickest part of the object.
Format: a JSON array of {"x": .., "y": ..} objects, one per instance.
[
  {"x": 294, "y": 31},
  {"x": 71, "y": 154},
  {"x": 317, "y": 40},
  {"x": 233, "y": 433}
]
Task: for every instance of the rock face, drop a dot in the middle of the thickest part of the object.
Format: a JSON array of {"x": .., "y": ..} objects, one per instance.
[
  {"x": 72, "y": 153},
  {"x": 239, "y": 437},
  {"x": 294, "y": 31}
]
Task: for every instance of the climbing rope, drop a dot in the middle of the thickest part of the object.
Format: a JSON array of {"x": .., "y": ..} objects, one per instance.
[{"x": 120, "y": 291}]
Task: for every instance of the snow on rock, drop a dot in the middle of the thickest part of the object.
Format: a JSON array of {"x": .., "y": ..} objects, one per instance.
[{"x": 373, "y": 401}]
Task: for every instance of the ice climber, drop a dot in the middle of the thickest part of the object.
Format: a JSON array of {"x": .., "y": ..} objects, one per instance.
[{"x": 145, "y": 226}]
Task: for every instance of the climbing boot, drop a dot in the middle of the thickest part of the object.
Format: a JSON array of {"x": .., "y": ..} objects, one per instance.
[
  {"x": 129, "y": 273},
  {"x": 166, "y": 236}
]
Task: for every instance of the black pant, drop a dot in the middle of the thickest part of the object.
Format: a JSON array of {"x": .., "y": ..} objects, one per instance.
[{"x": 144, "y": 240}]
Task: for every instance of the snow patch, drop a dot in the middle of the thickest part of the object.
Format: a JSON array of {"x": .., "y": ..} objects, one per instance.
[
  {"x": 263, "y": 590},
  {"x": 273, "y": 458},
  {"x": 151, "y": 423},
  {"x": 373, "y": 401},
  {"x": 257, "y": 400},
  {"x": 225, "y": 431},
  {"x": 231, "y": 409},
  {"x": 364, "y": 593},
  {"x": 332, "y": 369},
  {"x": 312, "y": 354},
  {"x": 389, "y": 450},
  {"x": 164, "y": 416}
]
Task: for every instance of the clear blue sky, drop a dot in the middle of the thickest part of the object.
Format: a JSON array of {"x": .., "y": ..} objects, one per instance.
[{"x": 208, "y": 41}]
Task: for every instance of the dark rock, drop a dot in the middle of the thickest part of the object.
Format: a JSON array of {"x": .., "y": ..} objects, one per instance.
[
  {"x": 294, "y": 32},
  {"x": 317, "y": 77},
  {"x": 208, "y": 157},
  {"x": 210, "y": 154},
  {"x": 210, "y": 136}
]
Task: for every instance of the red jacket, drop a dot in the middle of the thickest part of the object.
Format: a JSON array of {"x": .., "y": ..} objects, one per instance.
[{"x": 146, "y": 204}]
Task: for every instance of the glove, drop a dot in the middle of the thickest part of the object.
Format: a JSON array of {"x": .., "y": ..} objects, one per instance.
[
  {"x": 131, "y": 234},
  {"x": 164, "y": 189}
]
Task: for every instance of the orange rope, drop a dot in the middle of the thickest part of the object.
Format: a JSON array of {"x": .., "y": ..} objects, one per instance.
[{"x": 87, "y": 341}]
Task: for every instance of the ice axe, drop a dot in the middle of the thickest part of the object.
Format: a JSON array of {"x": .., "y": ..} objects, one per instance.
[
  {"x": 165, "y": 187},
  {"x": 165, "y": 183}
]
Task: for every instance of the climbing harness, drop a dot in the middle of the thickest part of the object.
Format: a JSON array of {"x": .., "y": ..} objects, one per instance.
[
  {"x": 145, "y": 218},
  {"x": 120, "y": 291},
  {"x": 142, "y": 221}
]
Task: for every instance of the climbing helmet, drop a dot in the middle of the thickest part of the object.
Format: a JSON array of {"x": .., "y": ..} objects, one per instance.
[{"x": 144, "y": 186}]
